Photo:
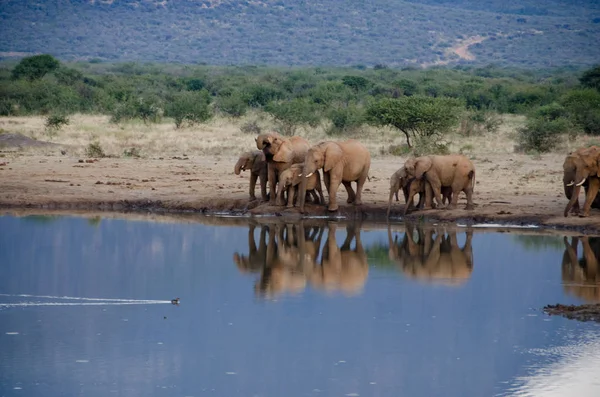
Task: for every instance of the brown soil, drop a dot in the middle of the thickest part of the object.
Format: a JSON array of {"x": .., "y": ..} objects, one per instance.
[
  {"x": 589, "y": 312},
  {"x": 510, "y": 189}
]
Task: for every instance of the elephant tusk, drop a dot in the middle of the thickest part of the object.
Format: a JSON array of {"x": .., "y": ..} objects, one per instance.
[
  {"x": 309, "y": 175},
  {"x": 571, "y": 183},
  {"x": 581, "y": 183},
  {"x": 299, "y": 174}
]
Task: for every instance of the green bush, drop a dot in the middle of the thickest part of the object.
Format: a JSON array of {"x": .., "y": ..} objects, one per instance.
[
  {"x": 35, "y": 67},
  {"x": 232, "y": 105},
  {"x": 148, "y": 110},
  {"x": 294, "y": 113},
  {"x": 55, "y": 122},
  {"x": 416, "y": 116},
  {"x": 479, "y": 122},
  {"x": 189, "y": 107},
  {"x": 583, "y": 108},
  {"x": 345, "y": 120},
  {"x": 542, "y": 134}
]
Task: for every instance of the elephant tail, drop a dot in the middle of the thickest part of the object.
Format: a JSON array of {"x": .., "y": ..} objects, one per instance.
[{"x": 472, "y": 178}]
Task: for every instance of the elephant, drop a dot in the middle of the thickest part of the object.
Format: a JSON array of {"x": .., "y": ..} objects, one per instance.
[
  {"x": 283, "y": 260},
  {"x": 342, "y": 268},
  {"x": 423, "y": 188},
  {"x": 582, "y": 168},
  {"x": 254, "y": 161},
  {"x": 342, "y": 162},
  {"x": 290, "y": 179},
  {"x": 430, "y": 258},
  {"x": 453, "y": 170},
  {"x": 280, "y": 153},
  {"x": 257, "y": 256},
  {"x": 580, "y": 276},
  {"x": 410, "y": 187}
]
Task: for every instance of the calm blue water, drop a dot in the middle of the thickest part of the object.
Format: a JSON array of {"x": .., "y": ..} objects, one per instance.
[{"x": 433, "y": 320}]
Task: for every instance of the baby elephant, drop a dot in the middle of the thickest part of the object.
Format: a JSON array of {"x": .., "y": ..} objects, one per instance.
[
  {"x": 289, "y": 180},
  {"x": 423, "y": 187},
  {"x": 257, "y": 164}
]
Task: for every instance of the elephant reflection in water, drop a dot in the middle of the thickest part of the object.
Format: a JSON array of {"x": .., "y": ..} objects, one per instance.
[
  {"x": 287, "y": 260},
  {"x": 434, "y": 256},
  {"x": 580, "y": 276},
  {"x": 282, "y": 258},
  {"x": 341, "y": 268}
]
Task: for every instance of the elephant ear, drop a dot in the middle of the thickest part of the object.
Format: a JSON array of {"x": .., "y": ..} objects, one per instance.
[
  {"x": 285, "y": 154},
  {"x": 422, "y": 166},
  {"x": 333, "y": 155}
]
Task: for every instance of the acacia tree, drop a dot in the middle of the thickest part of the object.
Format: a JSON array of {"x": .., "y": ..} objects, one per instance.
[
  {"x": 35, "y": 67},
  {"x": 417, "y": 117}
]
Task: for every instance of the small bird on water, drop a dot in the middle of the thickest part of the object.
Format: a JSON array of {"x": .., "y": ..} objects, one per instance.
[{"x": 175, "y": 301}]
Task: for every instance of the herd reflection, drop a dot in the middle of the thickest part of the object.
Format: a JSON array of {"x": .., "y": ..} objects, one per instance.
[
  {"x": 580, "y": 275},
  {"x": 287, "y": 258},
  {"x": 290, "y": 257},
  {"x": 430, "y": 254}
]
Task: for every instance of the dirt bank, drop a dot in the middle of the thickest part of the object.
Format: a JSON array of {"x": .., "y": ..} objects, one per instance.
[
  {"x": 516, "y": 189},
  {"x": 589, "y": 312}
]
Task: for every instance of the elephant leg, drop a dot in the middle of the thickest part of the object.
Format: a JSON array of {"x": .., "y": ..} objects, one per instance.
[
  {"x": 334, "y": 184},
  {"x": 359, "y": 188},
  {"x": 590, "y": 195},
  {"x": 326, "y": 181},
  {"x": 397, "y": 199},
  {"x": 291, "y": 196},
  {"x": 272, "y": 183},
  {"x": 351, "y": 194},
  {"x": 436, "y": 188},
  {"x": 315, "y": 196},
  {"x": 253, "y": 178},
  {"x": 319, "y": 189},
  {"x": 263, "y": 186}
]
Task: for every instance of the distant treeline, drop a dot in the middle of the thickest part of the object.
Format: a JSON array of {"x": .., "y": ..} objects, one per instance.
[{"x": 345, "y": 98}]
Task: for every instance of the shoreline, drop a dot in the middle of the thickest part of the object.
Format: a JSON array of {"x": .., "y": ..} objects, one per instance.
[
  {"x": 239, "y": 209},
  {"x": 518, "y": 190}
]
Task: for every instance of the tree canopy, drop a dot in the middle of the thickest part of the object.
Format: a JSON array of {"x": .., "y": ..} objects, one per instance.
[{"x": 35, "y": 67}]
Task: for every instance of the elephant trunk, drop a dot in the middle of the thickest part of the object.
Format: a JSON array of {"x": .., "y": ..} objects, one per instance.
[
  {"x": 390, "y": 202},
  {"x": 574, "y": 198},
  {"x": 239, "y": 165}
]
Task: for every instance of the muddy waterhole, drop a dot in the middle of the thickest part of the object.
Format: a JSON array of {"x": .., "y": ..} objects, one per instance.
[{"x": 304, "y": 309}]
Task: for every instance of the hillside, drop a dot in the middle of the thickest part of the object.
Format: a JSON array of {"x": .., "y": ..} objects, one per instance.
[{"x": 525, "y": 33}]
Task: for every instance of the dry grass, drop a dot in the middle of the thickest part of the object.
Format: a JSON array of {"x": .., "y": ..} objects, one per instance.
[{"x": 223, "y": 137}]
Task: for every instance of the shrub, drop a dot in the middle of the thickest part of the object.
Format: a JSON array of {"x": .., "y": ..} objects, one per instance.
[
  {"x": 345, "y": 120},
  {"x": 232, "y": 105},
  {"x": 55, "y": 122},
  {"x": 251, "y": 127},
  {"x": 189, "y": 107},
  {"x": 416, "y": 116},
  {"x": 132, "y": 152},
  {"x": 541, "y": 134},
  {"x": 292, "y": 114},
  {"x": 94, "y": 150},
  {"x": 35, "y": 67},
  {"x": 583, "y": 108},
  {"x": 149, "y": 110},
  {"x": 478, "y": 122}
]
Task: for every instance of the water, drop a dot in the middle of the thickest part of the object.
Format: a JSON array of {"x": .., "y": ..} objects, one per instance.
[{"x": 85, "y": 309}]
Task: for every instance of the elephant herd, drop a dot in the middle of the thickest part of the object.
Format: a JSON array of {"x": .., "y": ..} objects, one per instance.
[
  {"x": 290, "y": 257},
  {"x": 292, "y": 169},
  {"x": 290, "y": 165},
  {"x": 286, "y": 257}
]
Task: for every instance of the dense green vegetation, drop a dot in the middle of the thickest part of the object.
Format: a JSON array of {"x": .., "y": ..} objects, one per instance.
[
  {"x": 421, "y": 104},
  {"x": 525, "y": 33}
]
